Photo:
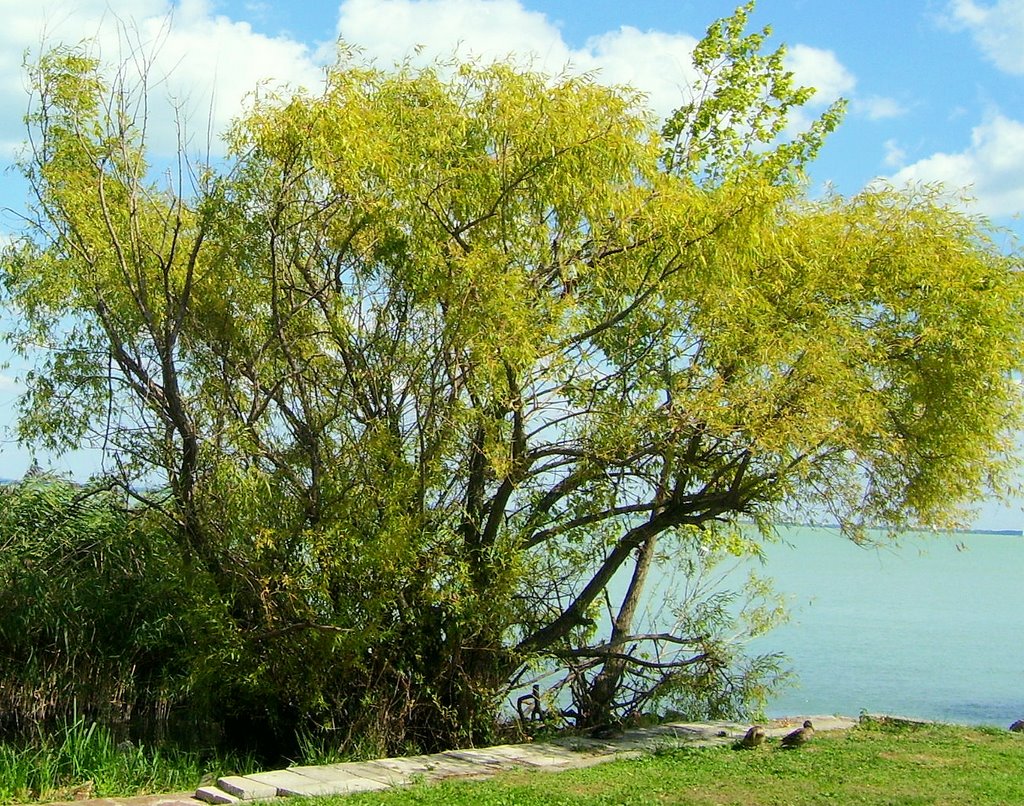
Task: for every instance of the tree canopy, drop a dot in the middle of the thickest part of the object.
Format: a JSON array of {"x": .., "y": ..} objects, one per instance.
[{"x": 444, "y": 351}]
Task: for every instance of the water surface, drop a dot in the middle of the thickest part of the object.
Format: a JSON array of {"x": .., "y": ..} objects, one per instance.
[{"x": 932, "y": 628}]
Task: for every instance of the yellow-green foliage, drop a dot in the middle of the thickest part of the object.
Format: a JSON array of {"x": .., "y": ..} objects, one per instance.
[{"x": 443, "y": 350}]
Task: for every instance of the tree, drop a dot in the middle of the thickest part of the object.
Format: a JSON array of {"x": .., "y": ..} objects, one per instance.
[{"x": 446, "y": 351}]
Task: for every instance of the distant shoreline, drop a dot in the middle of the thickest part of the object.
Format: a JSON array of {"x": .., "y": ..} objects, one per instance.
[{"x": 1006, "y": 532}]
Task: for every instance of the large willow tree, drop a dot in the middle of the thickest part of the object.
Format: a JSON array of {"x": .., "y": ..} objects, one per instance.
[{"x": 446, "y": 356}]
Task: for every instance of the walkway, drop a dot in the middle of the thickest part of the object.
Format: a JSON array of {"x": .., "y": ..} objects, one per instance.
[{"x": 556, "y": 754}]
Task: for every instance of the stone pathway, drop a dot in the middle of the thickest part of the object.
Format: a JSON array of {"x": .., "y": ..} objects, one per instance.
[{"x": 556, "y": 754}]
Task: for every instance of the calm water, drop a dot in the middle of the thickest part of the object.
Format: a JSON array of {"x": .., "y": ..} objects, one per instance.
[{"x": 932, "y": 628}]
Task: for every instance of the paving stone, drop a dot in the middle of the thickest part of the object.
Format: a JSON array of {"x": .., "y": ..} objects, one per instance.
[
  {"x": 290, "y": 783},
  {"x": 410, "y": 765},
  {"x": 371, "y": 770},
  {"x": 893, "y": 719},
  {"x": 435, "y": 767},
  {"x": 441, "y": 766},
  {"x": 165, "y": 799},
  {"x": 584, "y": 744},
  {"x": 531, "y": 755},
  {"x": 687, "y": 730},
  {"x": 244, "y": 787},
  {"x": 213, "y": 794},
  {"x": 478, "y": 756}
]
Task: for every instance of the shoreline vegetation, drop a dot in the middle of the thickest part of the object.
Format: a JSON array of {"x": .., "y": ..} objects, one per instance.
[
  {"x": 880, "y": 760},
  {"x": 82, "y": 759}
]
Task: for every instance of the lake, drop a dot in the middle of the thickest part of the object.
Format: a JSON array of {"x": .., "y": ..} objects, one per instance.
[{"x": 931, "y": 628}]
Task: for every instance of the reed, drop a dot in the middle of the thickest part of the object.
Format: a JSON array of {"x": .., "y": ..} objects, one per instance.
[{"x": 85, "y": 759}]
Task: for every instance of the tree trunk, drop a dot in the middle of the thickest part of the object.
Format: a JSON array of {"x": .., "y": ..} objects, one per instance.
[{"x": 606, "y": 684}]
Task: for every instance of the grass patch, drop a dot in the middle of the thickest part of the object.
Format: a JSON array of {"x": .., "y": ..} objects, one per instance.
[
  {"x": 85, "y": 760},
  {"x": 871, "y": 764}
]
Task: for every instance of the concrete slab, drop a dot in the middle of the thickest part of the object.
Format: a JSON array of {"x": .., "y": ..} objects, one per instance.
[
  {"x": 441, "y": 766},
  {"x": 532, "y": 755},
  {"x": 318, "y": 789},
  {"x": 578, "y": 745},
  {"x": 213, "y": 794},
  {"x": 696, "y": 730},
  {"x": 894, "y": 719},
  {"x": 346, "y": 786},
  {"x": 410, "y": 765},
  {"x": 370, "y": 770},
  {"x": 164, "y": 799},
  {"x": 821, "y": 722},
  {"x": 243, "y": 787},
  {"x": 433, "y": 767},
  {"x": 478, "y": 756},
  {"x": 289, "y": 783}
]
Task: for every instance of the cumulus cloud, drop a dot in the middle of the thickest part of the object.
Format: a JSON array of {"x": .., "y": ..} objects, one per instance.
[
  {"x": 665, "y": 73},
  {"x": 393, "y": 30},
  {"x": 657, "y": 63},
  {"x": 991, "y": 168},
  {"x": 200, "y": 62},
  {"x": 997, "y": 29},
  {"x": 821, "y": 69},
  {"x": 207, "y": 63}
]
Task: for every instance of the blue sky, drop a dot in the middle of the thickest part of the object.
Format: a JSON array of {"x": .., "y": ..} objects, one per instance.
[{"x": 935, "y": 87}]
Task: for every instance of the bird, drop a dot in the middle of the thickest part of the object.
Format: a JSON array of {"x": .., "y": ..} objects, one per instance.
[
  {"x": 1018, "y": 726},
  {"x": 753, "y": 738},
  {"x": 800, "y": 736}
]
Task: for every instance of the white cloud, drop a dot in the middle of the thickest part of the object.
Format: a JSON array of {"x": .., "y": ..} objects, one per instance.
[
  {"x": 821, "y": 69},
  {"x": 998, "y": 29},
  {"x": 205, "y": 63},
  {"x": 390, "y": 31},
  {"x": 655, "y": 62},
  {"x": 876, "y": 107},
  {"x": 991, "y": 167},
  {"x": 664, "y": 73},
  {"x": 895, "y": 156}
]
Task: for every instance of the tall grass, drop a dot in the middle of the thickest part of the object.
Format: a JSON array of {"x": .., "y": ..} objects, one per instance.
[
  {"x": 85, "y": 759},
  {"x": 91, "y": 607}
]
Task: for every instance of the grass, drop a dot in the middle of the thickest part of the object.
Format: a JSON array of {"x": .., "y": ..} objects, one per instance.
[
  {"x": 870, "y": 764},
  {"x": 874, "y": 763},
  {"x": 85, "y": 760}
]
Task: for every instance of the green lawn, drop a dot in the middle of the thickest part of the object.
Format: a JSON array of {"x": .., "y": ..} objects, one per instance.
[{"x": 869, "y": 764}]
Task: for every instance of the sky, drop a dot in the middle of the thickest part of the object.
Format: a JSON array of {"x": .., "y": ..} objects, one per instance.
[{"x": 935, "y": 87}]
